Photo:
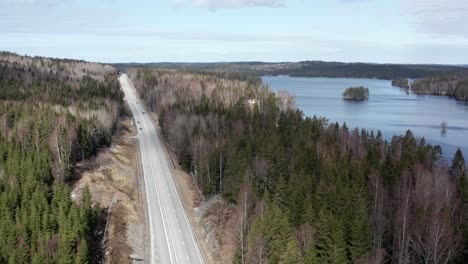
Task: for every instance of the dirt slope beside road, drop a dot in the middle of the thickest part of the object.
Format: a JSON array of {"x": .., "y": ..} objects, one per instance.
[{"x": 114, "y": 174}]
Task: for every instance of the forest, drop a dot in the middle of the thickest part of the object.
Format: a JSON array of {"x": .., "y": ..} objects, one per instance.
[
  {"x": 356, "y": 93},
  {"x": 53, "y": 114},
  {"x": 455, "y": 86},
  {"x": 313, "y": 69},
  {"x": 401, "y": 82},
  {"x": 310, "y": 191}
]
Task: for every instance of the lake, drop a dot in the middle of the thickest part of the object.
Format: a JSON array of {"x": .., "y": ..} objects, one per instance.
[{"x": 389, "y": 109}]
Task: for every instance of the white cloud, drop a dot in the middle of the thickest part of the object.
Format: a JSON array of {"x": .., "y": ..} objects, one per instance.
[
  {"x": 219, "y": 4},
  {"x": 441, "y": 17}
]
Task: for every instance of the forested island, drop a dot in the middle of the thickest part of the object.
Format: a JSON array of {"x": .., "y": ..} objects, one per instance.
[
  {"x": 356, "y": 93},
  {"x": 304, "y": 190},
  {"x": 401, "y": 82},
  {"x": 455, "y": 86},
  {"x": 53, "y": 114}
]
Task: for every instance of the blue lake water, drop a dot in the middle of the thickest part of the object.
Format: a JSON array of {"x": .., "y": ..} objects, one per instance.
[{"x": 389, "y": 109}]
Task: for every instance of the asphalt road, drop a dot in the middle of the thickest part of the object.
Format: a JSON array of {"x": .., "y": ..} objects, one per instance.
[{"x": 172, "y": 238}]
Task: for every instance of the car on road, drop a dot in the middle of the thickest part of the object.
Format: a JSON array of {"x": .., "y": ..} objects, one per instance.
[
  {"x": 144, "y": 113},
  {"x": 138, "y": 122},
  {"x": 141, "y": 128}
]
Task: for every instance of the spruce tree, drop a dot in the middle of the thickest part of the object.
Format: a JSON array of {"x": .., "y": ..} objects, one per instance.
[
  {"x": 82, "y": 253},
  {"x": 277, "y": 233},
  {"x": 360, "y": 238},
  {"x": 337, "y": 247},
  {"x": 463, "y": 193},
  {"x": 331, "y": 241},
  {"x": 311, "y": 256},
  {"x": 458, "y": 164},
  {"x": 279, "y": 198},
  {"x": 292, "y": 254}
]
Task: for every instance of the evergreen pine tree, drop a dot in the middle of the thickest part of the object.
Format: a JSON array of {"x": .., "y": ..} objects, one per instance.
[
  {"x": 463, "y": 192},
  {"x": 280, "y": 195},
  {"x": 82, "y": 253},
  {"x": 458, "y": 164},
  {"x": 311, "y": 256},
  {"x": 337, "y": 248},
  {"x": 309, "y": 213},
  {"x": 331, "y": 243},
  {"x": 86, "y": 212},
  {"x": 277, "y": 233},
  {"x": 360, "y": 239},
  {"x": 292, "y": 254}
]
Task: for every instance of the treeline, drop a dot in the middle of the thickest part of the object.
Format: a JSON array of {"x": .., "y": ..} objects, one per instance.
[
  {"x": 450, "y": 85},
  {"x": 367, "y": 70},
  {"x": 313, "y": 69},
  {"x": 401, "y": 82},
  {"x": 20, "y": 81},
  {"x": 356, "y": 93},
  {"x": 46, "y": 127},
  {"x": 162, "y": 88},
  {"x": 310, "y": 191}
]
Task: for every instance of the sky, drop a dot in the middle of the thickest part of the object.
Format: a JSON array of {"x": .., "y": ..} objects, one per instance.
[{"x": 381, "y": 31}]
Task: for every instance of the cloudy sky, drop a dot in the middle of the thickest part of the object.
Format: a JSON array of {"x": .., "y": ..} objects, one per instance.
[{"x": 394, "y": 31}]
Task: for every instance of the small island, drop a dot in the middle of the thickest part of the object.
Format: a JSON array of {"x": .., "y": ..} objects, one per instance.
[
  {"x": 401, "y": 82},
  {"x": 356, "y": 93}
]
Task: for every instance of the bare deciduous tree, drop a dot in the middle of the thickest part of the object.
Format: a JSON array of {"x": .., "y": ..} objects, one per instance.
[
  {"x": 379, "y": 208},
  {"x": 285, "y": 100},
  {"x": 244, "y": 208},
  {"x": 435, "y": 236},
  {"x": 258, "y": 253},
  {"x": 304, "y": 235},
  {"x": 260, "y": 170},
  {"x": 402, "y": 220},
  {"x": 60, "y": 142}
]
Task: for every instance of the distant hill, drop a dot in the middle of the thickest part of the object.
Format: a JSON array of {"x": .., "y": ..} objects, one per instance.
[{"x": 314, "y": 69}]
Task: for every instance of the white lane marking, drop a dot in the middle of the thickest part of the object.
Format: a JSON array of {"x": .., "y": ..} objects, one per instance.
[
  {"x": 187, "y": 223},
  {"x": 171, "y": 180},
  {"x": 160, "y": 205},
  {"x": 165, "y": 217}
]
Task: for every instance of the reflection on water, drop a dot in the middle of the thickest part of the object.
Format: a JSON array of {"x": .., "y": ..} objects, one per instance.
[
  {"x": 390, "y": 109},
  {"x": 443, "y": 128}
]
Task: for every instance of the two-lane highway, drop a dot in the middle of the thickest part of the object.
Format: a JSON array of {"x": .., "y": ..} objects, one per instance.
[{"x": 172, "y": 239}]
